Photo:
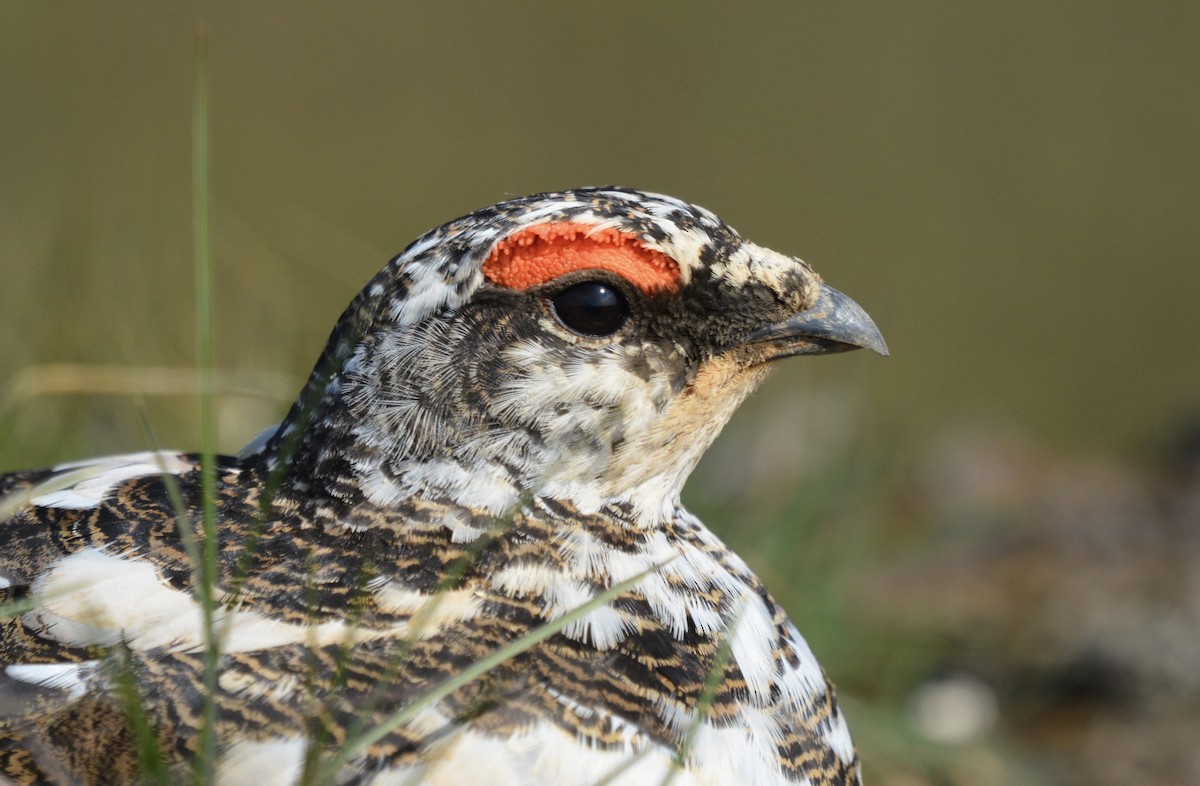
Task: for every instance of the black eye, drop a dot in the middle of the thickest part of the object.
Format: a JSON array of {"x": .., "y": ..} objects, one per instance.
[{"x": 592, "y": 308}]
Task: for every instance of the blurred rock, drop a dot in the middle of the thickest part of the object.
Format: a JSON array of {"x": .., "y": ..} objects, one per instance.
[
  {"x": 954, "y": 710},
  {"x": 1071, "y": 587}
]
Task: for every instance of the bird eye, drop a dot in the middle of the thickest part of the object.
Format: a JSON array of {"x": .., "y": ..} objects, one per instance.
[{"x": 591, "y": 308}]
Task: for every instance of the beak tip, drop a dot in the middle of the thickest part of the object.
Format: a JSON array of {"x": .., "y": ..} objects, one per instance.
[
  {"x": 846, "y": 322},
  {"x": 873, "y": 340}
]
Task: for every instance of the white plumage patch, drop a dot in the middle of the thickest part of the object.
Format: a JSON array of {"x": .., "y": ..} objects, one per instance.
[
  {"x": 802, "y": 682},
  {"x": 741, "y": 753},
  {"x": 59, "y": 676},
  {"x": 838, "y": 738},
  {"x": 458, "y": 763},
  {"x": 555, "y": 757},
  {"x": 95, "y": 598},
  {"x": 430, "y": 291},
  {"x": 752, "y": 263},
  {"x": 487, "y": 487},
  {"x": 92, "y": 480},
  {"x": 277, "y": 762},
  {"x": 603, "y": 627},
  {"x": 446, "y": 607},
  {"x": 753, "y": 646}
]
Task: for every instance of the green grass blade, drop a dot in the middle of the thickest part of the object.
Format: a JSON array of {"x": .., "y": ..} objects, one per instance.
[{"x": 205, "y": 772}]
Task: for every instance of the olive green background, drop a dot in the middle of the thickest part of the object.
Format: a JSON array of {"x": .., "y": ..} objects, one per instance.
[{"x": 1011, "y": 189}]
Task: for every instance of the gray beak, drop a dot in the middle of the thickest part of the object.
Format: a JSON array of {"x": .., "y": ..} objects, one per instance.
[{"x": 835, "y": 323}]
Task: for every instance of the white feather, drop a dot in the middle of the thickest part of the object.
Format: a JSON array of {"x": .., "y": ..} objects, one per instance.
[
  {"x": 61, "y": 676},
  {"x": 103, "y": 475},
  {"x": 554, "y": 757},
  {"x": 731, "y": 755},
  {"x": 95, "y": 598},
  {"x": 805, "y": 680},
  {"x": 277, "y": 762},
  {"x": 753, "y": 646},
  {"x": 838, "y": 738}
]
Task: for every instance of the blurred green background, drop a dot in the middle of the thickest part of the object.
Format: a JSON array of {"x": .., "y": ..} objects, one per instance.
[{"x": 1010, "y": 189}]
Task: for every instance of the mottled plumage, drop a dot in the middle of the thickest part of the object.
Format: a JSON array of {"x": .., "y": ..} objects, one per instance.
[{"x": 497, "y": 431}]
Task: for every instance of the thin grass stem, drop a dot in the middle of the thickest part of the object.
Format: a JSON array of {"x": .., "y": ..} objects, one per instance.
[{"x": 205, "y": 772}]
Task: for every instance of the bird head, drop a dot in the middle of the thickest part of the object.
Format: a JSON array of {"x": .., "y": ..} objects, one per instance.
[{"x": 586, "y": 345}]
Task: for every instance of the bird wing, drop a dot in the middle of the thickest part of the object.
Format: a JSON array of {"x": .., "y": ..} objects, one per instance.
[
  {"x": 65, "y": 600},
  {"x": 320, "y": 645},
  {"x": 59, "y": 565}
]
